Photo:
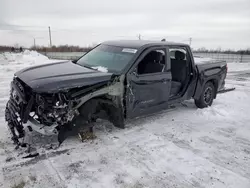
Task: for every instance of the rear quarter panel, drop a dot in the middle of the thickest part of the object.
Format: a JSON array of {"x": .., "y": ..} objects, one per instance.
[{"x": 214, "y": 72}]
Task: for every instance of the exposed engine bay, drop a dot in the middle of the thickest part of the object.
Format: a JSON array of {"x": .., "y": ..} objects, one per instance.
[{"x": 59, "y": 113}]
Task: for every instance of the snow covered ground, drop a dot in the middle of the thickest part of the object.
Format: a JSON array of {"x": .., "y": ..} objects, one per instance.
[{"x": 180, "y": 147}]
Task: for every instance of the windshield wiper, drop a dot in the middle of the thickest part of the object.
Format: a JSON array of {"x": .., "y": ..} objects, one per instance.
[{"x": 89, "y": 67}]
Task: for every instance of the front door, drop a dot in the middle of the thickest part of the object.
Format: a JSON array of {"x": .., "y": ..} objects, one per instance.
[{"x": 148, "y": 83}]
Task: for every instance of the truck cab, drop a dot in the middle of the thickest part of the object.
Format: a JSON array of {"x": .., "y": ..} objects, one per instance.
[{"x": 162, "y": 74}]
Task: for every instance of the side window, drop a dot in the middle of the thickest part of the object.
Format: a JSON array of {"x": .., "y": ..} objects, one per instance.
[
  {"x": 153, "y": 62},
  {"x": 175, "y": 51}
]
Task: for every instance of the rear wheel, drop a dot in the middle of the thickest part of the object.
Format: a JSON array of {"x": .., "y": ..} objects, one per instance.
[{"x": 207, "y": 96}]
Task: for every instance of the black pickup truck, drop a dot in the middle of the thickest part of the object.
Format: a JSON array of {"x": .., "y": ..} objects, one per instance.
[{"x": 117, "y": 80}]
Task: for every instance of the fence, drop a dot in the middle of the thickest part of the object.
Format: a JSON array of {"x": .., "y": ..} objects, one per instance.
[
  {"x": 63, "y": 55},
  {"x": 229, "y": 58},
  {"x": 220, "y": 56}
]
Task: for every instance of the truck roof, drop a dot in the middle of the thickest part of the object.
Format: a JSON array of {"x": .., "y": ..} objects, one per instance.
[{"x": 140, "y": 43}]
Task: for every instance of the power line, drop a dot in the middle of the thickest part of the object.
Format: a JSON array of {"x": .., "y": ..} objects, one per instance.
[
  {"x": 14, "y": 25},
  {"x": 35, "y": 30}
]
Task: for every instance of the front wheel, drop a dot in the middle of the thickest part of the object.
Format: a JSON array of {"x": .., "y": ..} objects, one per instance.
[{"x": 207, "y": 96}]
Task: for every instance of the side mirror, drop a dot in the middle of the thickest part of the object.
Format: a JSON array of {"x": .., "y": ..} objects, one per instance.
[{"x": 74, "y": 61}]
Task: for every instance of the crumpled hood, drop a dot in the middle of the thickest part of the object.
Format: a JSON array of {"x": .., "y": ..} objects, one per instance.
[{"x": 54, "y": 77}]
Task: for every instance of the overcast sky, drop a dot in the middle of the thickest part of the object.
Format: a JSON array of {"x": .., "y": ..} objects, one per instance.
[{"x": 210, "y": 23}]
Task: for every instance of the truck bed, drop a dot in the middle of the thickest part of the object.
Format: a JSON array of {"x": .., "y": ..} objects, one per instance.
[
  {"x": 211, "y": 69},
  {"x": 205, "y": 60}
]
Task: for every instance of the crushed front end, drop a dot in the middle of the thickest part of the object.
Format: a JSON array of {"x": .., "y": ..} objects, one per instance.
[
  {"x": 45, "y": 113},
  {"x": 64, "y": 112}
]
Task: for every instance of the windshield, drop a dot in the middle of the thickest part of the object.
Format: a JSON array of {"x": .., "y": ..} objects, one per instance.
[{"x": 109, "y": 58}]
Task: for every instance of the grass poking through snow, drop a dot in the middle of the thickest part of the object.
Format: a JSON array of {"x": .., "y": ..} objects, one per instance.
[{"x": 19, "y": 185}]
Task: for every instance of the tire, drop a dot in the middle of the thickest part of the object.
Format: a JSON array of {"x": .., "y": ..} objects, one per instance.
[{"x": 207, "y": 96}]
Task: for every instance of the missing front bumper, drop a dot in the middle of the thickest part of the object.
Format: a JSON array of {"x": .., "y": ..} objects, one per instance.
[{"x": 40, "y": 128}]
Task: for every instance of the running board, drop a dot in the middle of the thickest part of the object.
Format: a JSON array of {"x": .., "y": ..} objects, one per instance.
[{"x": 226, "y": 90}]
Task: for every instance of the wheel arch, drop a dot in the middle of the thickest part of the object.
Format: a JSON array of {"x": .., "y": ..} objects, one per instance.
[
  {"x": 215, "y": 83},
  {"x": 103, "y": 106},
  {"x": 201, "y": 84}
]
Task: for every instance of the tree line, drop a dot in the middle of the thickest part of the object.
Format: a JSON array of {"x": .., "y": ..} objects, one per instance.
[
  {"x": 61, "y": 48},
  {"x": 219, "y": 50},
  {"x": 72, "y": 48}
]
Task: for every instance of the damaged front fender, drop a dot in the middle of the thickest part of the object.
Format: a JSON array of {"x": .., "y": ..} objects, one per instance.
[
  {"x": 60, "y": 112},
  {"x": 114, "y": 91}
]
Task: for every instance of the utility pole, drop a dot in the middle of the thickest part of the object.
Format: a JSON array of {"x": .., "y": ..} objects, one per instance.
[
  {"x": 50, "y": 37},
  {"x": 34, "y": 43},
  {"x": 139, "y": 36},
  {"x": 190, "y": 41}
]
